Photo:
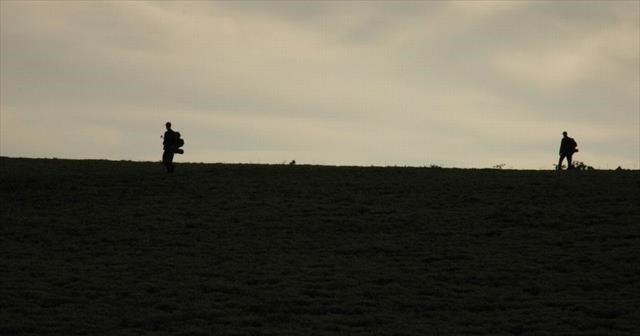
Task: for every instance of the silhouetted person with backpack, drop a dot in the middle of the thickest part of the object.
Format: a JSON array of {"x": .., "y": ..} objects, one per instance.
[
  {"x": 568, "y": 146},
  {"x": 171, "y": 144}
]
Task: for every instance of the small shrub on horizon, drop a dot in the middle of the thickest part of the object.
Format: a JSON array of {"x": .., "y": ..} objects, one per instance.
[{"x": 579, "y": 165}]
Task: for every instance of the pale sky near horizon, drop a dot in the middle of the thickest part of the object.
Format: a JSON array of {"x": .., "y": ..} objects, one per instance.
[{"x": 456, "y": 83}]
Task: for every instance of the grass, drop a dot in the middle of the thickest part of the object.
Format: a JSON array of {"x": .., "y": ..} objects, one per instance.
[{"x": 121, "y": 248}]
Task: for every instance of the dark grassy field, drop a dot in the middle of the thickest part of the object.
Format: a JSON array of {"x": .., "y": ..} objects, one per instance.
[{"x": 121, "y": 248}]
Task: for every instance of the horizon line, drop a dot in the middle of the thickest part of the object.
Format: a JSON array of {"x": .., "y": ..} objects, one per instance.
[{"x": 288, "y": 163}]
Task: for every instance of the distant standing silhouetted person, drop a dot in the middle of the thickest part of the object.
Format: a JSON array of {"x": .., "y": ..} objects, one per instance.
[
  {"x": 170, "y": 146},
  {"x": 568, "y": 146}
]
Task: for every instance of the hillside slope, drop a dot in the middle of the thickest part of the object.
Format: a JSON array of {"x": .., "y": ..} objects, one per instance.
[{"x": 121, "y": 248}]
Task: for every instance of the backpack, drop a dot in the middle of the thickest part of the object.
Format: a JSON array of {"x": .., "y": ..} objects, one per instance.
[
  {"x": 573, "y": 145},
  {"x": 179, "y": 143},
  {"x": 179, "y": 140}
]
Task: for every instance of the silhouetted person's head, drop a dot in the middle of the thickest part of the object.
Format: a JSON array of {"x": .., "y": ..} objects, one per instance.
[
  {"x": 168, "y": 125},
  {"x": 564, "y": 134}
]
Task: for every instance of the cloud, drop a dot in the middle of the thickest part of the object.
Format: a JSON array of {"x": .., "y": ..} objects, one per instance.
[
  {"x": 458, "y": 83},
  {"x": 607, "y": 54}
]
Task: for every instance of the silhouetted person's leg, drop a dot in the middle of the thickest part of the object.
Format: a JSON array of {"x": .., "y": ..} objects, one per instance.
[
  {"x": 164, "y": 160},
  {"x": 167, "y": 160},
  {"x": 569, "y": 164},
  {"x": 560, "y": 161}
]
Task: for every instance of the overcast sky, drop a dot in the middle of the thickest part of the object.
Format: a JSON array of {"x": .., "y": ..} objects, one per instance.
[{"x": 456, "y": 84}]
